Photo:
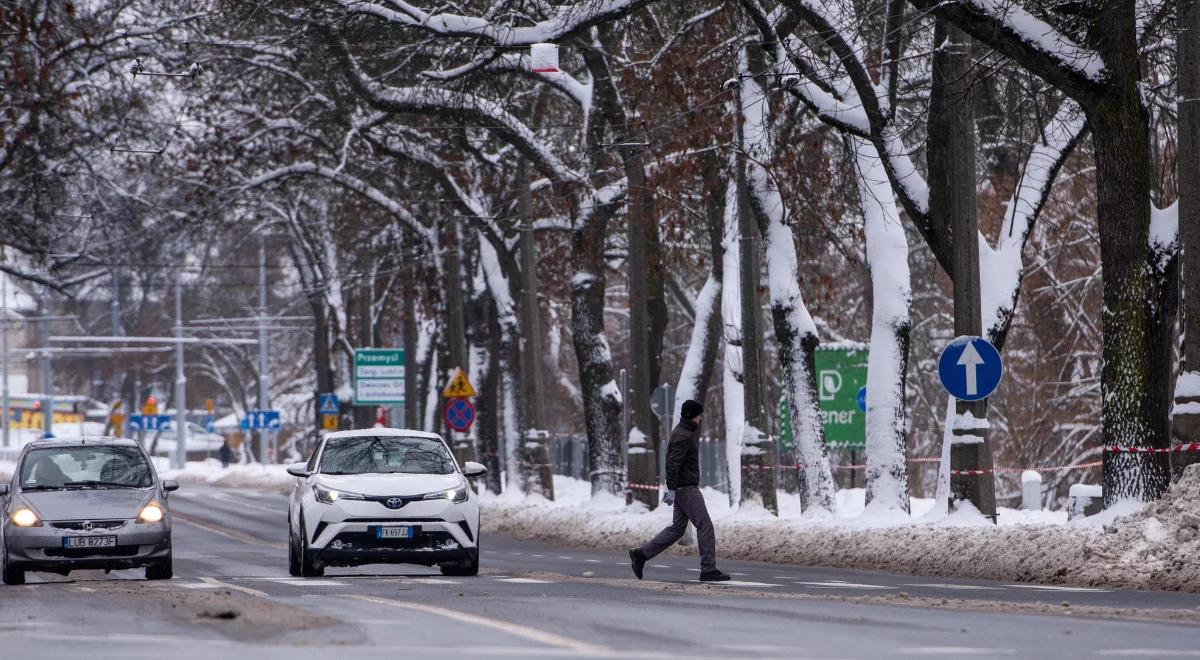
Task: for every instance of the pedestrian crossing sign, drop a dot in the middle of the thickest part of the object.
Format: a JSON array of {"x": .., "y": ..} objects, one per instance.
[{"x": 459, "y": 387}]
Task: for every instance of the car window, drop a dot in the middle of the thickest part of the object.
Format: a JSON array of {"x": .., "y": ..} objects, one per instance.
[
  {"x": 386, "y": 455},
  {"x": 86, "y": 467}
]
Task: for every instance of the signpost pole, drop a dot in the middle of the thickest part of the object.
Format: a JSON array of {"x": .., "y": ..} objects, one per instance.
[
  {"x": 4, "y": 407},
  {"x": 47, "y": 376},
  {"x": 181, "y": 428},
  {"x": 264, "y": 376}
]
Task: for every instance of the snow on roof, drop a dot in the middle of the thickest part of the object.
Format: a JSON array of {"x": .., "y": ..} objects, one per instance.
[{"x": 410, "y": 433}]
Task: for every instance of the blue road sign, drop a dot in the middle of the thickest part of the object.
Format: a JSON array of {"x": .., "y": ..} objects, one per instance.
[
  {"x": 139, "y": 423},
  {"x": 327, "y": 403},
  {"x": 460, "y": 414},
  {"x": 261, "y": 419},
  {"x": 209, "y": 425},
  {"x": 862, "y": 398},
  {"x": 970, "y": 368}
]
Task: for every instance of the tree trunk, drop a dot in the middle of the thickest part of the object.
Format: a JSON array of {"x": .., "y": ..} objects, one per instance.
[
  {"x": 643, "y": 465},
  {"x": 601, "y": 398},
  {"x": 1185, "y": 420},
  {"x": 320, "y": 351},
  {"x": 734, "y": 401},
  {"x": 887, "y": 363}
]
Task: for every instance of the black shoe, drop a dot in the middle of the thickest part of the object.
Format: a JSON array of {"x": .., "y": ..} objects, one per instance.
[
  {"x": 714, "y": 576},
  {"x": 637, "y": 560}
]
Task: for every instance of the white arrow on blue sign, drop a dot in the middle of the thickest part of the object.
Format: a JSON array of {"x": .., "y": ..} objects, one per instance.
[
  {"x": 262, "y": 419},
  {"x": 970, "y": 368}
]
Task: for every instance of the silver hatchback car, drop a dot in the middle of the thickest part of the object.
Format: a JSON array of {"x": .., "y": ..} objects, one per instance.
[{"x": 85, "y": 503}]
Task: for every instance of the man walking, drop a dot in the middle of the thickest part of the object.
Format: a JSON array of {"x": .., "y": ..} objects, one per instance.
[{"x": 683, "y": 492}]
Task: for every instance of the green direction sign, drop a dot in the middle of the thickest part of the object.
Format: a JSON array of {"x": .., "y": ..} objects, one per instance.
[
  {"x": 841, "y": 372},
  {"x": 378, "y": 376}
]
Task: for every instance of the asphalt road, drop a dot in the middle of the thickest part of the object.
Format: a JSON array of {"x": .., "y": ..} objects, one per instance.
[{"x": 232, "y": 597}]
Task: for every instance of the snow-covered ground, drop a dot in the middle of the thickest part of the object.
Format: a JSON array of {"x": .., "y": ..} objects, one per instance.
[
  {"x": 258, "y": 477},
  {"x": 1130, "y": 545}
]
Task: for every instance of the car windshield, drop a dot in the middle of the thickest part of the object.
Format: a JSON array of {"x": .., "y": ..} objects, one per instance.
[
  {"x": 57, "y": 468},
  {"x": 386, "y": 455}
]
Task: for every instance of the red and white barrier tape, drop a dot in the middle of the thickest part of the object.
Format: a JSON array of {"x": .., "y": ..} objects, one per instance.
[
  {"x": 644, "y": 486},
  {"x": 1177, "y": 449},
  {"x": 1052, "y": 468}
]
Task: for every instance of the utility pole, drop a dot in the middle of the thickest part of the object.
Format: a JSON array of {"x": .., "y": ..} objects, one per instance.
[
  {"x": 643, "y": 462},
  {"x": 4, "y": 407},
  {"x": 952, "y": 204},
  {"x": 181, "y": 427},
  {"x": 264, "y": 376},
  {"x": 531, "y": 333},
  {"x": 456, "y": 327},
  {"x": 758, "y": 481},
  {"x": 47, "y": 386}
]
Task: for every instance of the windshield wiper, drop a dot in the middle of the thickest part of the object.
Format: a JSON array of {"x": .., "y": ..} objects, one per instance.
[
  {"x": 93, "y": 483},
  {"x": 41, "y": 487}
]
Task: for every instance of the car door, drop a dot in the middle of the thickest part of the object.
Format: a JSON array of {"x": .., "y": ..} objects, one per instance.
[{"x": 296, "y": 499}]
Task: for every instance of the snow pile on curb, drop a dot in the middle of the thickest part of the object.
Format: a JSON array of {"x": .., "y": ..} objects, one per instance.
[
  {"x": 260, "y": 477},
  {"x": 1129, "y": 545}
]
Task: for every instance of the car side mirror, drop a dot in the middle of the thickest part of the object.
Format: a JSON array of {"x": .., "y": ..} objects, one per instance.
[
  {"x": 471, "y": 469},
  {"x": 298, "y": 470},
  {"x": 3, "y": 490},
  {"x": 170, "y": 485}
]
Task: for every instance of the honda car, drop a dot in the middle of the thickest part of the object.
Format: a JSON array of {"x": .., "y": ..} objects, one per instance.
[
  {"x": 86, "y": 503},
  {"x": 383, "y": 496}
]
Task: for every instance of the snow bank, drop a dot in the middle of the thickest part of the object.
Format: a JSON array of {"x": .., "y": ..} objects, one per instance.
[
  {"x": 210, "y": 473},
  {"x": 1130, "y": 546}
]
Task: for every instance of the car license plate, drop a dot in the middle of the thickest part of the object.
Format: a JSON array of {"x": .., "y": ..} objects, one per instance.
[
  {"x": 393, "y": 532},
  {"x": 72, "y": 542}
]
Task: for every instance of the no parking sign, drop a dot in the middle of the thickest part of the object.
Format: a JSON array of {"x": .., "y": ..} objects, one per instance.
[{"x": 460, "y": 414}]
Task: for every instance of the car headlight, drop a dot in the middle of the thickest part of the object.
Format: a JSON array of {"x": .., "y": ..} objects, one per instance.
[
  {"x": 25, "y": 517},
  {"x": 329, "y": 495},
  {"x": 151, "y": 513},
  {"x": 456, "y": 495}
]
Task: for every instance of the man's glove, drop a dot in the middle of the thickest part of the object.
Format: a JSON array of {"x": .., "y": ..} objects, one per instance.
[{"x": 669, "y": 498}]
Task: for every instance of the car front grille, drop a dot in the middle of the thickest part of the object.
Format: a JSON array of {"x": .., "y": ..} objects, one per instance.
[
  {"x": 79, "y": 525},
  {"x": 433, "y": 540},
  {"x": 80, "y": 553}
]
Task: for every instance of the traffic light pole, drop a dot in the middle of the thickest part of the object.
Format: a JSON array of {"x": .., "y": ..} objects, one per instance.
[{"x": 181, "y": 427}]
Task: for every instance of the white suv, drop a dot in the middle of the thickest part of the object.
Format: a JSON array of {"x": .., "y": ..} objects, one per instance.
[{"x": 383, "y": 496}]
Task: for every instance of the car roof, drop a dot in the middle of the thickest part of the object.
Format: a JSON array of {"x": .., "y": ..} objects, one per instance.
[
  {"x": 381, "y": 431},
  {"x": 82, "y": 441}
]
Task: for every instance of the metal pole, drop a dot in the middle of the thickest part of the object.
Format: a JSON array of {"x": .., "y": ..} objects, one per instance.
[
  {"x": 47, "y": 380},
  {"x": 264, "y": 378},
  {"x": 4, "y": 352},
  {"x": 624, "y": 378},
  {"x": 181, "y": 427}
]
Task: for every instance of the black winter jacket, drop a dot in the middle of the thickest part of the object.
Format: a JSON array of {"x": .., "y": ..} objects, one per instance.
[{"x": 683, "y": 456}]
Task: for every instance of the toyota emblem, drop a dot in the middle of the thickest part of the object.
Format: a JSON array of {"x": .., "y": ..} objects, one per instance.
[{"x": 394, "y": 502}]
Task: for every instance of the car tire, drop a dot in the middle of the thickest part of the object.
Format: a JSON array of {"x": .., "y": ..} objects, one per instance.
[
  {"x": 162, "y": 569},
  {"x": 9, "y": 575},
  {"x": 293, "y": 554},
  {"x": 307, "y": 567},
  {"x": 469, "y": 568}
]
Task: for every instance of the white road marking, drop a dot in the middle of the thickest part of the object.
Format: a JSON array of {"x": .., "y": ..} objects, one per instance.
[
  {"x": 431, "y": 581},
  {"x": 745, "y": 583},
  {"x": 198, "y": 585},
  {"x": 515, "y": 629},
  {"x": 659, "y": 566},
  {"x": 594, "y": 561},
  {"x": 565, "y": 557},
  {"x": 246, "y": 590},
  {"x": 740, "y": 574},
  {"x": 1151, "y": 653},
  {"x": 1049, "y": 587},
  {"x": 964, "y": 587},
  {"x": 537, "y": 555},
  {"x": 523, "y": 581},
  {"x": 516, "y": 553},
  {"x": 305, "y": 582},
  {"x": 954, "y": 651},
  {"x": 836, "y": 584}
]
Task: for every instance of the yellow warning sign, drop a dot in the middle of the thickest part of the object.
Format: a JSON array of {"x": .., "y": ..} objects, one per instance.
[
  {"x": 459, "y": 386},
  {"x": 329, "y": 422}
]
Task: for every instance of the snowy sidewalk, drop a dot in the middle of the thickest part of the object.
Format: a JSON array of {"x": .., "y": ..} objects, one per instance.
[{"x": 1153, "y": 547}]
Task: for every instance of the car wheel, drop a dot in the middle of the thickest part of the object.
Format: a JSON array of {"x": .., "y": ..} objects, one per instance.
[
  {"x": 469, "y": 568},
  {"x": 293, "y": 554},
  {"x": 162, "y": 569},
  {"x": 307, "y": 567},
  {"x": 8, "y": 574}
]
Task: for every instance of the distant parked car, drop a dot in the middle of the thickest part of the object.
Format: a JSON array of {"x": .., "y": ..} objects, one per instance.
[
  {"x": 383, "y": 496},
  {"x": 200, "y": 443},
  {"x": 84, "y": 503}
]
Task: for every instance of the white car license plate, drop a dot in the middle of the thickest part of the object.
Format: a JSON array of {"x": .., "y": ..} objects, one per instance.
[
  {"x": 393, "y": 532},
  {"x": 72, "y": 542}
]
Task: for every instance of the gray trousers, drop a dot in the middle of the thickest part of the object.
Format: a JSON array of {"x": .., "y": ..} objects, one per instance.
[{"x": 689, "y": 506}]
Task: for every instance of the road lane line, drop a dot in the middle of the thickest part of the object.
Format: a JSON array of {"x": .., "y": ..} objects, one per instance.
[
  {"x": 743, "y": 583},
  {"x": 956, "y": 651},
  {"x": 595, "y": 561},
  {"x": 518, "y": 580},
  {"x": 964, "y": 587},
  {"x": 1049, "y": 587},
  {"x": 515, "y": 629},
  {"x": 837, "y": 584},
  {"x": 236, "y": 587},
  {"x": 225, "y": 531}
]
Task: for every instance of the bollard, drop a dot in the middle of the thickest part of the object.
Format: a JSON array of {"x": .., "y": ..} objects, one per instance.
[{"x": 1031, "y": 490}]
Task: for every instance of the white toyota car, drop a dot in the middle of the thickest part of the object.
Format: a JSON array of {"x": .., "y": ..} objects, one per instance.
[{"x": 383, "y": 496}]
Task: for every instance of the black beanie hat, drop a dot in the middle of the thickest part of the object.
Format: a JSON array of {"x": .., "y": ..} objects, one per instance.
[{"x": 691, "y": 409}]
